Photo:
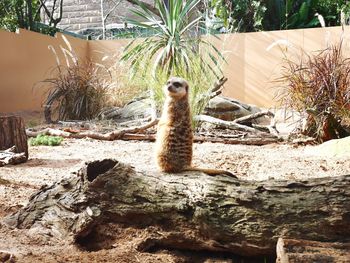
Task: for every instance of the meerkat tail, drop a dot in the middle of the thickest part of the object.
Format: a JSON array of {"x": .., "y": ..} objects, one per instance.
[{"x": 212, "y": 172}]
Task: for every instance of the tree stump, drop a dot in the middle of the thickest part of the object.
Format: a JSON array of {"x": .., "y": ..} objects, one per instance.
[
  {"x": 13, "y": 133},
  {"x": 190, "y": 210}
]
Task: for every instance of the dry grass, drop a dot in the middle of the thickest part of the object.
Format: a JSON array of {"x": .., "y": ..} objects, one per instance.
[
  {"x": 125, "y": 88},
  {"x": 78, "y": 92}
]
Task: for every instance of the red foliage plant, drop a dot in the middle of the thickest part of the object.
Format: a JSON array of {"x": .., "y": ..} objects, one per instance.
[{"x": 319, "y": 85}]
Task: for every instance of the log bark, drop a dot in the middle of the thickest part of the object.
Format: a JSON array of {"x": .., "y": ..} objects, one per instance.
[
  {"x": 13, "y": 133},
  {"x": 191, "y": 210},
  {"x": 296, "y": 251}
]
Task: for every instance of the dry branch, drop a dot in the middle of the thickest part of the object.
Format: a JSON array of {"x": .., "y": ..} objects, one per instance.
[
  {"x": 135, "y": 133},
  {"x": 219, "y": 84},
  {"x": 249, "y": 118},
  {"x": 240, "y": 123},
  {"x": 217, "y": 88},
  {"x": 110, "y": 136},
  {"x": 241, "y": 139},
  {"x": 190, "y": 210},
  {"x": 227, "y": 124},
  {"x": 246, "y": 140}
]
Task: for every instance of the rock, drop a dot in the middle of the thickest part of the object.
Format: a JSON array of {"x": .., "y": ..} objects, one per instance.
[
  {"x": 218, "y": 107},
  {"x": 6, "y": 257},
  {"x": 219, "y": 103},
  {"x": 228, "y": 109},
  {"x": 334, "y": 148},
  {"x": 137, "y": 109}
]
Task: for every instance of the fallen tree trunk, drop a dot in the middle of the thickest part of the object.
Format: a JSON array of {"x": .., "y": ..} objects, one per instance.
[
  {"x": 296, "y": 251},
  {"x": 191, "y": 210}
]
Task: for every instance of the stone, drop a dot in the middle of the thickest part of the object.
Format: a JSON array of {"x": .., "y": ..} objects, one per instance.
[
  {"x": 333, "y": 148},
  {"x": 136, "y": 109},
  {"x": 229, "y": 109},
  {"x": 6, "y": 257}
]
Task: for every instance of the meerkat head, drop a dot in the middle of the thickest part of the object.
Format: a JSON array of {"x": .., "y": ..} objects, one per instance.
[{"x": 176, "y": 88}]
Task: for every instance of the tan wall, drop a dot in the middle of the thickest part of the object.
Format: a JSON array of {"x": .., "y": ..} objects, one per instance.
[
  {"x": 98, "y": 50},
  {"x": 254, "y": 63},
  {"x": 252, "y": 66},
  {"x": 25, "y": 60}
]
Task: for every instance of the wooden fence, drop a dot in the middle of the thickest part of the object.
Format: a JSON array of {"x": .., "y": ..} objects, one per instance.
[{"x": 254, "y": 61}]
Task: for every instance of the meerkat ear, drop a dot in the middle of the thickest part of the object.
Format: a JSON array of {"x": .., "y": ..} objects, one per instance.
[{"x": 186, "y": 88}]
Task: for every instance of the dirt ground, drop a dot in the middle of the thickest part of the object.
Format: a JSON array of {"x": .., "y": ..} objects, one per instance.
[{"x": 49, "y": 164}]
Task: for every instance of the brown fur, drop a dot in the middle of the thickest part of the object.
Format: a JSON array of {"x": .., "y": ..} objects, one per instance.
[{"x": 174, "y": 134}]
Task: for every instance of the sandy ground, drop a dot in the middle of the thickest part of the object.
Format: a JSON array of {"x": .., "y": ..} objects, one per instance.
[{"x": 49, "y": 164}]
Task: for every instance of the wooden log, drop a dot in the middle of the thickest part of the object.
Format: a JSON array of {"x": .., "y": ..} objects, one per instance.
[
  {"x": 13, "y": 133},
  {"x": 10, "y": 156},
  {"x": 305, "y": 251},
  {"x": 191, "y": 210}
]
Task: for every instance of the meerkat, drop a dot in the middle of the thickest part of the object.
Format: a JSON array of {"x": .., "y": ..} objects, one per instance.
[{"x": 174, "y": 134}]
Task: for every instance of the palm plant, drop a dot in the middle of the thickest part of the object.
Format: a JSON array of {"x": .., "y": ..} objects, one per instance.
[
  {"x": 176, "y": 36},
  {"x": 175, "y": 49},
  {"x": 199, "y": 92}
]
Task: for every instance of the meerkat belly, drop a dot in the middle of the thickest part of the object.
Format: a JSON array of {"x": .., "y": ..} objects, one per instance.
[{"x": 175, "y": 148}]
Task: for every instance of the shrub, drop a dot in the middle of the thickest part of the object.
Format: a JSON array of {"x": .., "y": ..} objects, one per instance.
[
  {"x": 236, "y": 15},
  {"x": 77, "y": 92},
  {"x": 176, "y": 40},
  {"x": 126, "y": 88},
  {"x": 319, "y": 85},
  {"x": 45, "y": 140},
  {"x": 176, "y": 49}
]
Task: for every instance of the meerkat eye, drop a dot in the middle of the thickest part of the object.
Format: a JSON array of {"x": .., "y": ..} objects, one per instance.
[{"x": 177, "y": 84}]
